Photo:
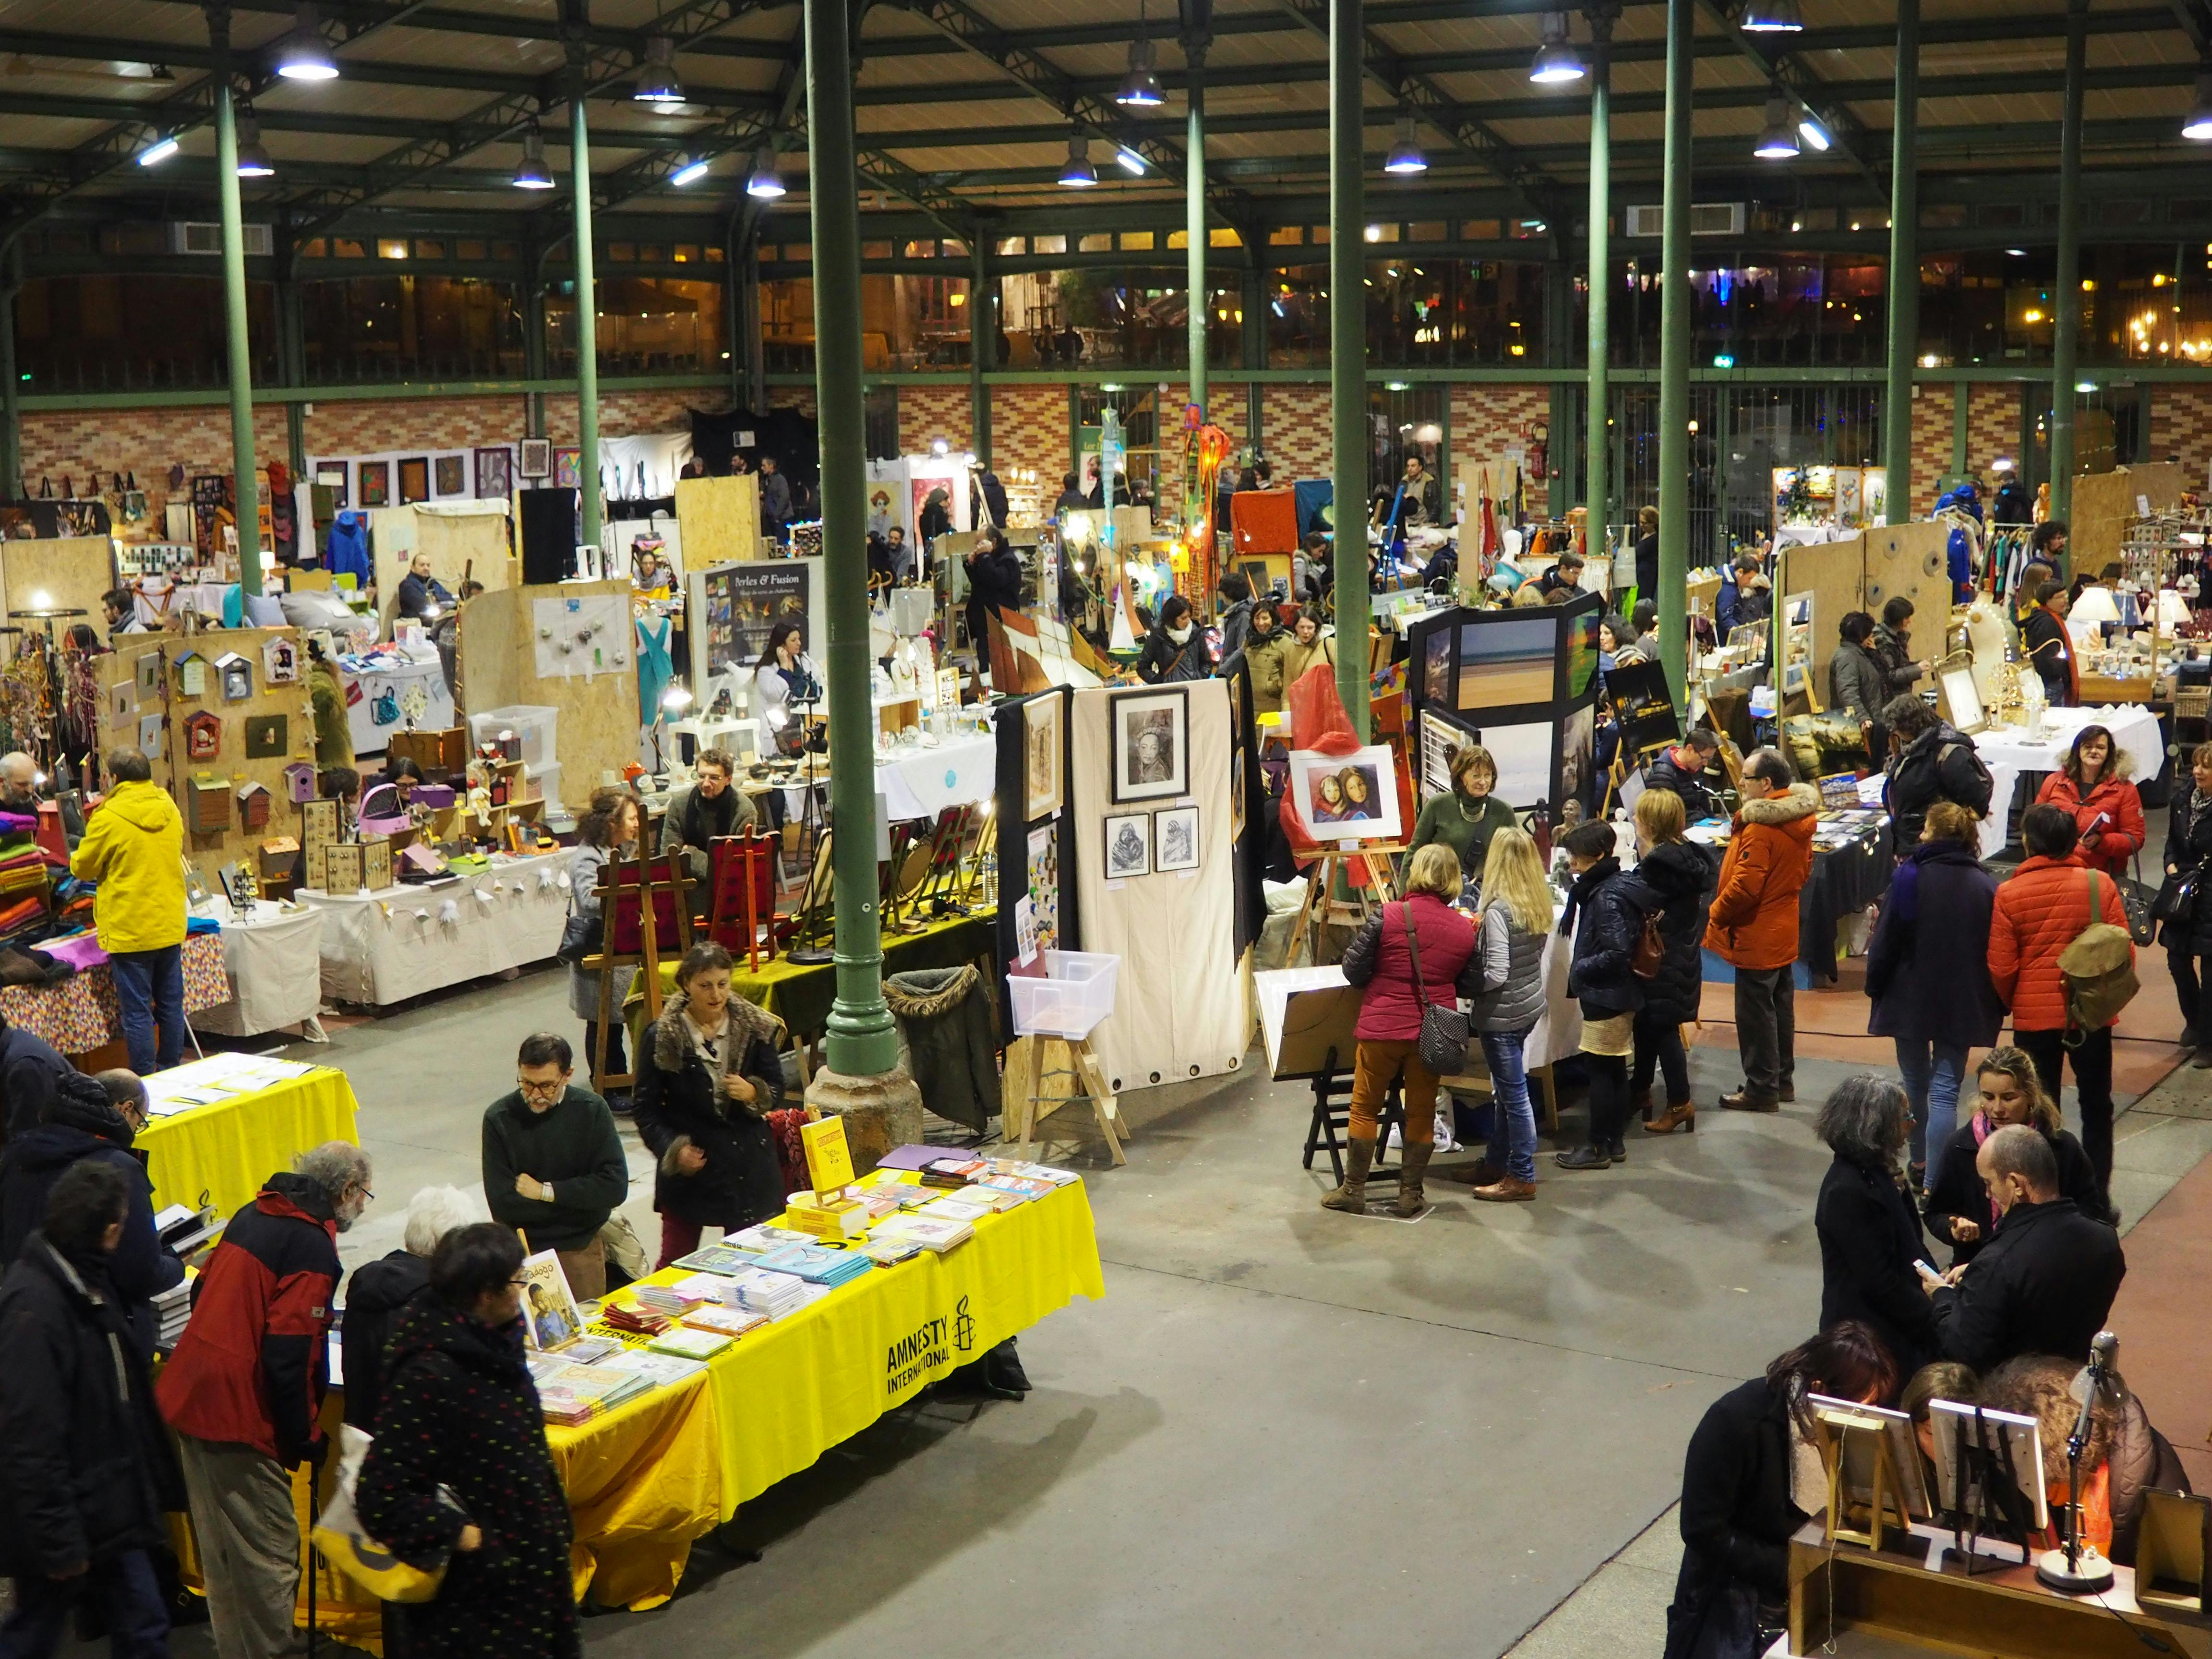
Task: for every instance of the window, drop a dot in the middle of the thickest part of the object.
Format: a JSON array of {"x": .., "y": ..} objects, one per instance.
[
  {"x": 1101, "y": 243},
  {"x": 430, "y": 250},
  {"x": 1136, "y": 241},
  {"x": 391, "y": 250}
]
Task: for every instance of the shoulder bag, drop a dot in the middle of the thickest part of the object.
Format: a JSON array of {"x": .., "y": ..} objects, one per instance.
[
  {"x": 2098, "y": 970},
  {"x": 1443, "y": 1045}
]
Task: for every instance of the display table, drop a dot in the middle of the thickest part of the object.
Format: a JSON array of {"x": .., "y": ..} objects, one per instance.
[
  {"x": 921, "y": 783},
  {"x": 384, "y": 947},
  {"x": 272, "y": 960},
  {"x": 2011, "y": 755},
  {"x": 405, "y": 677},
  {"x": 222, "y": 1152},
  {"x": 79, "y": 1015},
  {"x": 1844, "y": 880}
]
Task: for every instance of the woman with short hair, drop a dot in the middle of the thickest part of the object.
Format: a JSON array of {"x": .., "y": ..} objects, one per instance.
[
  {"x": 2091, "y": 783},
  {"x": 1465, "y": 816},
  {"x": 1869, "y": 1233}
]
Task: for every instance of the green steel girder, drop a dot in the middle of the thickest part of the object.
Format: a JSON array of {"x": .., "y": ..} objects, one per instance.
[{"x": 1787, "y": 65}]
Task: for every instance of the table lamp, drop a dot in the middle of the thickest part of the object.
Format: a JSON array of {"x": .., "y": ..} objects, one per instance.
[{"x": 2173, "y": 610}]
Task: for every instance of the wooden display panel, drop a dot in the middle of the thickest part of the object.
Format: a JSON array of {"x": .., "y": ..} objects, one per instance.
[
  {"x": 496, "y": 660},
  {"x": 1834, "y": 574},
  {"x": 1912, "y": 560},
  {"x": 2104, "y": 501},
  {"x": 720, "y": 518},
  {"x": 72, "y": 572}
]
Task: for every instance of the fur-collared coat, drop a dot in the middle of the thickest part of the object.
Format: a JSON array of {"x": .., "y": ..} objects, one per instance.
[
  {"x": 1752, "y": 922},
  {"x": 679, "y": 1102}
]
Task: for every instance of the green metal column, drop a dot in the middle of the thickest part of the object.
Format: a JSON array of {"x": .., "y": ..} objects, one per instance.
[
  {"x": 2066, "y": 328},
  {"x": 233, "y": 305},
  {"x": 1193, "y": 198},
  {"x": 1903, "y": 275},
  {"x": 1675, "y": 317},
  {"x": 533, "y": 338},
  {"x": 1597, "y": 451},
  {"x": 861, "y": 1041},
  {"x": 587, "y": 317},
  {"x": 1347, "y": 343},
  {"x": 1958, "y": 394},
  {"x": 982, "y": 351}
]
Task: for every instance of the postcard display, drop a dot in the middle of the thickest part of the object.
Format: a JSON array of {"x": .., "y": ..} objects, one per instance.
[
  {"x": 1524, "y": 684},
  {"x": 1138, "y": 861}
]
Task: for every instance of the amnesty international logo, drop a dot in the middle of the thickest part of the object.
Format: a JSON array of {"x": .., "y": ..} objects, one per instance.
[{"x": 963, "y": 1327}]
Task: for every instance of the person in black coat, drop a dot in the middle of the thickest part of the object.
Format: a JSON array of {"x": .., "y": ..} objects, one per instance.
[
  {"x": 86, "y": 1470},
  {"x": 1738, "y": 1512},
  {"x": 708, "y": 1077},
  {"x": 380, "y": 1291},
  {"x": 1869, "y": 1233},
  {"x": 1682, "y": 768},
  {"x": 2188, "y": 852},
  {"x": 1931, "y": 760},
  {"x": 2010, "y": 1091},
  {"x": 1679, "y": 877},
  {"x": 1647, "y": 552},
  {"x": 459, "y": 1412},
  {"x": 2045, "y": 1280},
  {"x": 1604, "y": 917},
  {"x": 995, "y": 583},
  {"x": 1175, "y": 649},
  {"x": 1927, "y": 971},
  {"x": 31, "y": 1069},
  {"x": 423, "y": 597}
]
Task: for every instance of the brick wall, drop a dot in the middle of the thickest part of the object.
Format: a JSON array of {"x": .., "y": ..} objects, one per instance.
[
  {"x": 1295, "y": 431},
  {"x": 926, "y": 412},
  {"x": 2181, "y": 428},
  {"x": 1486, "y": 417},
  {"x": 1992, "y": 425},
  {"x": 1932, "y": 415},
  {"x": 1029, "y": 432}
]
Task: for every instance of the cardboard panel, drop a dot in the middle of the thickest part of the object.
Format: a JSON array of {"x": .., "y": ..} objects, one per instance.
[
  {"x": 72, "y": 572},
  {"x": 1910, "y": 560},
  {"x": 721, "y": 520},
  {"x": 1834, "y": 573},
  {"x": 496, "y": 663},
  {"x": 2104, "y": 501}
]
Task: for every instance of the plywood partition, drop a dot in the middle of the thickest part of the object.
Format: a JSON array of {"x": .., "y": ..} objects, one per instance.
[
  {"x": 172, "y": 768},
  {"x": 721, "y": 520},
  {"x": 1911, "y": 560},
  {"x": 1834, "y": 573},
  {"x": 2104, "y": 501},
  {"x": 497, "y": 663},
  {"x": 71, "y": 572}
]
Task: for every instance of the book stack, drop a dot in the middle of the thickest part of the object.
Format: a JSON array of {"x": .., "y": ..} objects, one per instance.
[
  {"x": 725, "y": 1259},
  {"x": 173, "y": 1307},
  {"x": 936, "y": 1234},
  {"x": 686, "y": 1343},
  {"x": 965, "y": 1207},
  {"x": 912, "y": 1198},
  {"x": 1044, "y": 1172},
  {"x": 623, "y": 1317},
  {"x": 758, "y": 1239},
  {"x": 661, "y": 1370},
  {"x": 1003, "y": 1192},
  {"x": 887, "y": 1251},
  {"x": 587, "y": 1350},
  {"x": 578, "y": 1394},
  {"x": 840, "y": 1218},
  {"x": 880, "y": 1201},
  {"x": 817, "y": 1265},
  {"x": 728, "y": 1322},
  {"x": 951, "y": 1171},
  {"x": 771, "y": 1295}
]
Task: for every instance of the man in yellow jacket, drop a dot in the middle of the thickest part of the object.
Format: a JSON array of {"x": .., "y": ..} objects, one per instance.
[{"x": 134, "y": 849}]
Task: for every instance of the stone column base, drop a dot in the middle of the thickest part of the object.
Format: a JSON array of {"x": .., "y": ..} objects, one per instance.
[{"x": 879, "y": 1112}]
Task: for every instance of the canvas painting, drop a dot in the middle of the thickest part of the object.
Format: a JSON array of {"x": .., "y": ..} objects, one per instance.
[
  {"x": 1128, "y": 845},
  {"x": 415, "y": 480},
  {"x": 1175, "y": 839},
  {"x": 452, "y": 475},
  {"x": 375, "y": 480},
  {"x": 568, "y": 468},
  {"x": 1043, "y": 786},
  {"x": 549, "y": 1315},
  {"x": 1347, "y": 796},
  {"x": 1151, "y": 746},
  {"x": 494, "y": 474}
]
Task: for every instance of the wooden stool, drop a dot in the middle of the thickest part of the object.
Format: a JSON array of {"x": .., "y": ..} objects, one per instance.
[{"x": 1031, "y": 1061}]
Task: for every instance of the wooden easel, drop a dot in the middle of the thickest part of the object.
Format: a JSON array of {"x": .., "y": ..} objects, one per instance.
[
  {"x": 1031, "y": 1061},
  {"x": 1320, "y": 908},
  {"x": 642, "y": 881},
  {"x": 741, "y": 895},
  {"x": 1838, "y": 1434}
]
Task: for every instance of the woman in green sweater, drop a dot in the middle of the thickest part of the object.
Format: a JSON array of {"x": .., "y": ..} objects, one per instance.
[{"x": 1465, "y": 817}]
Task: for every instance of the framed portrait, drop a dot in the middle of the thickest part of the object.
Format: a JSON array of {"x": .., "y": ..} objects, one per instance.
[
  {"x": 1151, "y": 746},
  {"x": 453, "y": 472},
  {"x": 1175, "y": 839},
  {"x": 537, "y": 457},
  {"x": 415, "y": 480},
  {"x": 373, "y": 481},
  {"x": 495, "y": 473},
  {"x": 568, "y": 468},
  {"x": 1128, "y": 845},
  {"x": 549, "y": 1316},
  {"x": 1351, "y": 797},
  {"x": 1043, "y": 787}
]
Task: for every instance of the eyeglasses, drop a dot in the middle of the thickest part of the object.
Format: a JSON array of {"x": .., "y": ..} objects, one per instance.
[{"x": 540, "y": 1089}]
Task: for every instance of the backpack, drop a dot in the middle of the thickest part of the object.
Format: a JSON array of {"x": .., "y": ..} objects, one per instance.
[
  {"x": 2099, "y": 970},
  {"x": 1981, "y": 770}
]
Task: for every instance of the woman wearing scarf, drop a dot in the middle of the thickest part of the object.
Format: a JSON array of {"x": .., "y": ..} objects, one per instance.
[
  {"x": 2008, "y": 1092},
  {"x": 2189, "y": 941}
]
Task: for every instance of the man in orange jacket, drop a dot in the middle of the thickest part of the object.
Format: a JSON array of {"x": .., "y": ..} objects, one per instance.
[
  {"x": 1752, "y": 924},
  {"x": 2039, "y": 913}
]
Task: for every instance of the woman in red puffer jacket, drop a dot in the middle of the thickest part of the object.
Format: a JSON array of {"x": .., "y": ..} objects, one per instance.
[{"x": 2091, "y": 784}]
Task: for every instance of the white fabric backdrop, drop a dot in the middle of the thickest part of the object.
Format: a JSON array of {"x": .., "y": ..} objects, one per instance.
[{"x": 383, "y": 948}]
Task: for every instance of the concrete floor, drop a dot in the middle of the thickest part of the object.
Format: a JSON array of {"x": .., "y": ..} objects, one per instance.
[{"x": 1283, "y": 1430}]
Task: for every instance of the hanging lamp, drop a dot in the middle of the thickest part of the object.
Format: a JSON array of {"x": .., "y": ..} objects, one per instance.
[
  {"x": 1557, "y": 60},
  {"x": 532, "y": 174},
  {"x": 1406, "y": 155}
]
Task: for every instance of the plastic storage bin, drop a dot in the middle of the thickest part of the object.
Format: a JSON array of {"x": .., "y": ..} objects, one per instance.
[
  {"x": 1075, "y": 994},
  {"x": 531, "y": 724}
]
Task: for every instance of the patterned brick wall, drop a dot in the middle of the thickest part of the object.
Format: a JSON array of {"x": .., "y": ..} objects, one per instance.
[
  {"x": 1932, "y": 415},
  {"x": 1485, "y": 417},
  {"x": 1029, "y": 432},
  {"x": 1295, "y": 431},
  {"x": 2181, "y": 428},
  {"x": 926, "y": 412},
  {"x": 1992, "y": 425}
]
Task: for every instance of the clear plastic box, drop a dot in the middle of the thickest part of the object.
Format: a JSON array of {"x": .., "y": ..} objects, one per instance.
[
  {"x": 1076, "y": 993},
  {"x": 532, "y": 724}
]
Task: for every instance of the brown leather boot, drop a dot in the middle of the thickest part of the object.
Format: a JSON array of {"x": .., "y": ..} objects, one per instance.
[
  {"x": 1744, "y": 1101},
  {"x": 1480, "y": 1173},
  {"x": 1506, "y": 1189},
  {"x": 1410, "y": 1202},
  {"x": 1358, "y": 1158},
  {"x": 1679, "y": 1114}
]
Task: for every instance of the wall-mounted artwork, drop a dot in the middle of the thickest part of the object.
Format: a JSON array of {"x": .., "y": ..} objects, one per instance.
[
  {"x": 536, "y": 457},
  {"x": 494, "y": 474},
  {"x": 568, "y": 468},
  {"x": 1151, "y": 746},
  {"x": 414, "y": 480},
  {"x": 374, "y": 479},
  {"x": 452, "y": 475}
]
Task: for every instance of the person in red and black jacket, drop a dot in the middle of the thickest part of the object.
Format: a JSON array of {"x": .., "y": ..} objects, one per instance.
[{"x": 244, "y": 1387}]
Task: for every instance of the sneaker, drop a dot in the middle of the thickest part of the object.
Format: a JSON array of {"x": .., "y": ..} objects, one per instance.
[{"x": 1584, "y": 1157}]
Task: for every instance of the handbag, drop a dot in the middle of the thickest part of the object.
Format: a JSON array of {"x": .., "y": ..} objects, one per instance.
[
  {"x": 337, "y": 1534},
  {"x": 2138, "y": 901},
  {"x": 2176, "y": 903},
  {"x": 1650, "y": 952},
  {"x": 581, "y": 936},
  {"x": 1443, "y": 1045}
]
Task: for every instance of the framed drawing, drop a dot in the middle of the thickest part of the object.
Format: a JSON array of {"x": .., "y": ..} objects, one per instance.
[
  {"x": 332, "y": 475},
  {"x": 452, "y": 475},
  {"x": 374, "y": 479},
  {"x": 1351, "y": 797},
  {"x": 1043, "y": 785},
  {"x": 415, "y": 480},
  {"x": 1175, "y": 839},
  {"x": 1151, "y": 745},
  {"x": 537, "y": 457},
  {"x": 495, "y": 473},
  {"x": 568, "y": 468},
  {"x": 1128, "y": 845}
]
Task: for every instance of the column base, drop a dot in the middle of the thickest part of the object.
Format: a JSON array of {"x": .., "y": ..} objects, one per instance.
[{"x": 880, "y": 1112}]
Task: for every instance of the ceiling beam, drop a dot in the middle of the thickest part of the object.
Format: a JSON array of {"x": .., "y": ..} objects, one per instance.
[{"x": 1787, "y": 67}]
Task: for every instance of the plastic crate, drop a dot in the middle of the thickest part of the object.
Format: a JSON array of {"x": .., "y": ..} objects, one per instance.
[
  {"x": 1076, "y": 993},
  {"x": 531, "y": 724}
]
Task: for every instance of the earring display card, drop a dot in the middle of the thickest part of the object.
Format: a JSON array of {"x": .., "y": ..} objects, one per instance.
[
  {"x": 343, "y": 868},
  {"x": 320, "y": 825}
]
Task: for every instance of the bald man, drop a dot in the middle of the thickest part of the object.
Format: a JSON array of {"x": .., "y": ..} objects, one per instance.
[{"x": 18, "y": 771}]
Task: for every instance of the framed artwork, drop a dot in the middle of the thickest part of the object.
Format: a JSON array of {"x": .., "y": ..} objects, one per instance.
[
  {"x": 332, "y": 476},
  {"x": 495, "y": 473},
  {"x": 1044, "y": 787},
  {"x": 374, "y": 479},
  {"x": 1128, "y": 845},
  {"x": 452, "y": 475},
  {"x": 537, "y": 457},
  {"x": 415, "y": 480},
  {"x": 1351, "y": 797},
  {"x": 1151, "y": 746},
  {"x": 568, "y": 468},
  {"x": 1175, "y": 839},
  {"x": 149, "y": 674},
  {"x": 267, "y": 735}
]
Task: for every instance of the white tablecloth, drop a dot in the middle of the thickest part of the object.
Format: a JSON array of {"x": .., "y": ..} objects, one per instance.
[
  {"x": 2010, "y": 754},
  {"x": 272, "y": 960},
  {"x": 425, "y": 673},
  {"x": 382, "y": 948},
  {"x": 920, "y": 783}
]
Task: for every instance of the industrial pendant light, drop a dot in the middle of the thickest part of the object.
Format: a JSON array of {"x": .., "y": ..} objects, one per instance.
[
  {"x": 1131, "y": 159},
  {"x": 302, "y": 56},
  {"x": 254, "y": 160},
  {"x": 764, "y": 182},
  {"x": 2199, "y": 124},
  {"x": 1810, "y": 130},
  {"x": 1140, "y": 88},
  {"x": 1779, "y": 141},
  {"x": 1771, "y": 17},
  {"x": 1077, "y": 173},
  {"x": 690, "y": 173},
  {"x": 656, "y": 79},
  {"x": 159, "y": 151},
  {"x": 1557, "y": 62},
  {"x": 1406, "y": 155},
  {"x": 532, "y": 174}
]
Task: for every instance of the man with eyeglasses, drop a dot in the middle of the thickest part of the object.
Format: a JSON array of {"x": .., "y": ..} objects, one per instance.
[{"x": 553, "y": 1164}]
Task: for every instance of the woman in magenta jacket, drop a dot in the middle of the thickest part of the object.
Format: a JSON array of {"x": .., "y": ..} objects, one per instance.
[{"x": 2091, "y": 783}]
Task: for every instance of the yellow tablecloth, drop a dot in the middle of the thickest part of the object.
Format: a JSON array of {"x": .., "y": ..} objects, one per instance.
[{"x": 221, "y": 1154}]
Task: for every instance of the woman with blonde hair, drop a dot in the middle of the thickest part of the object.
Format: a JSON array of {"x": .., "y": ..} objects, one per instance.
[
  {"x": 2011, "y": 1091},
  {"x": 1511, "y": 926},
  {"x": 1679, "y": 876},
  {"x": 1410, "y": 954}
]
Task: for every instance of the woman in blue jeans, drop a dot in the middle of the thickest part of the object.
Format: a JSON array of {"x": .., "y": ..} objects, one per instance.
[
  {"x": 1927, "y": 971},
  {"x": 1515, "y": 919}
]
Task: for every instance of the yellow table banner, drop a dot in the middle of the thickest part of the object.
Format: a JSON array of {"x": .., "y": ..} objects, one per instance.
[{"x": 221, "y": 1153}]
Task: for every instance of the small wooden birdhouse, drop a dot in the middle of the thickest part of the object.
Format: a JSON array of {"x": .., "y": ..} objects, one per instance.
[
  {"x": 233, "y": 677},
  {"x": 299, "y": 783},
  {"x": 253, "y": 803},
  {"x": 192, "y": 670},
  {"x": 203, "y": 735},
  {"x": 207, "y": 804},
  {"x": 280, "y": 662}
]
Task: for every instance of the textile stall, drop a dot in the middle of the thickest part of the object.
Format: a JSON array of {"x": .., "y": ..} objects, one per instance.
[
  {"x": 383, "y": 947},
  {"x": 79, "y": 1015}
]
